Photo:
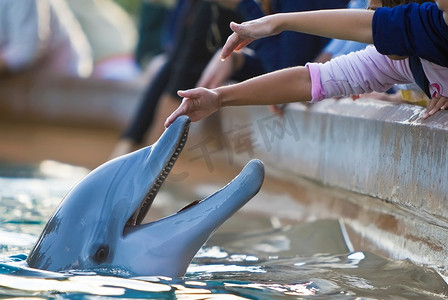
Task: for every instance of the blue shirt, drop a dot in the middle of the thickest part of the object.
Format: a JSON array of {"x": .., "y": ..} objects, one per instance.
[{"x": 412, "y": 30}]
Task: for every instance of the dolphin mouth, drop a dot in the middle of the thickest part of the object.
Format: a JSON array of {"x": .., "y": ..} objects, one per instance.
[{"x": 142, "y": 210}]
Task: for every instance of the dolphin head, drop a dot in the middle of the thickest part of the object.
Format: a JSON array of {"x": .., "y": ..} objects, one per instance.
[{"x": 99, "y": 222}]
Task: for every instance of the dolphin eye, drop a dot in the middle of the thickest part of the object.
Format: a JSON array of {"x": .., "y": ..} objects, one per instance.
[{"x": 101, "y": 254}]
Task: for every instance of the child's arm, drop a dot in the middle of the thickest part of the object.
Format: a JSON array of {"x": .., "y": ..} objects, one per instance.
[
  {"x": 284, "y": 86},
  {"x": 347, "y": 24}
]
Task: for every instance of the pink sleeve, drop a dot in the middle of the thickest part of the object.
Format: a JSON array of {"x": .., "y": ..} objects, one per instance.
[
  {"x": 317, "y": 91},
  {"x": 356, "y": 73}
]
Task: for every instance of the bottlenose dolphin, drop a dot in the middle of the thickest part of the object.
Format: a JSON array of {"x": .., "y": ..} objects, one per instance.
[{"x": 98, "y": 225}]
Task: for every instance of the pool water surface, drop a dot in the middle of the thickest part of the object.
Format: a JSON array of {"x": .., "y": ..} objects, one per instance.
[{"x": 251, "y": 257}]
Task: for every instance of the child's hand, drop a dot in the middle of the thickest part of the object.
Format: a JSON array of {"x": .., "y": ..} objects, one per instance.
[
  {"x": 198, "y": 103},
  {"x": 435, "y": 104},
  {"x": 245, "y": 33}
]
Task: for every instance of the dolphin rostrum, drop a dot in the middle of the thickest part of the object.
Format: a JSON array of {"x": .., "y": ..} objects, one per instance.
[{"x": 98, "y": 225}]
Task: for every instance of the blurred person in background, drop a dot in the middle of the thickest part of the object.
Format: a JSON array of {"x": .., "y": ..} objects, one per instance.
[
  {"x": 196, "y": 29},
  {"x": 42, "y": 36},
  {"x": 112, "y": 35},
  {"x": 153, "y": 15},
  {"x": 153, "y": 43}
]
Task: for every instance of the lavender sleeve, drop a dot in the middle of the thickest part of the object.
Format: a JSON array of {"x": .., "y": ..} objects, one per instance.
[{"x": 356, "y": 73}]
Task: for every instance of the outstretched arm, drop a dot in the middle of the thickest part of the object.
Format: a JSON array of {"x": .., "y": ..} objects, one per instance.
[
  {"x": 284, "y": 86},
  {"x": 346, "y": 24}
]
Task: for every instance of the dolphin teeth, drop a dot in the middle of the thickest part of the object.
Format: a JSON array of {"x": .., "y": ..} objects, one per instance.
[{"x": 140, "y": 213}]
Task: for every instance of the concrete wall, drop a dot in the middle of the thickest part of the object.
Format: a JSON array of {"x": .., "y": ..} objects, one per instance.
[
  {"x": 75, "y": 101},
  {"x": 371, "y": 147}
]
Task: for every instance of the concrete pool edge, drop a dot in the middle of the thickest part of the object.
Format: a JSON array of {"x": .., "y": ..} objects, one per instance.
[{"x": 369, "y": 147}]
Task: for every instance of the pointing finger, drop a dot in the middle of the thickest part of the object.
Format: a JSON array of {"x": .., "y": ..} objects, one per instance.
[
  {"x": 231, "y": 44},
  {"x": 178, "y": 112}
]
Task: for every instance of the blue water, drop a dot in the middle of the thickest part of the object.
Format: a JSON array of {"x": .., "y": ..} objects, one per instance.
[{"x": 299, "y": 261}]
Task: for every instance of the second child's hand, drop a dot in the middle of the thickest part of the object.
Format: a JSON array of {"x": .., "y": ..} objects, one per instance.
[{"x": 437, "y": 103}]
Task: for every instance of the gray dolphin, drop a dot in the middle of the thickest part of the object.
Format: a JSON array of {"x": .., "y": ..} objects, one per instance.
[{"x": 99, "y": 223}]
